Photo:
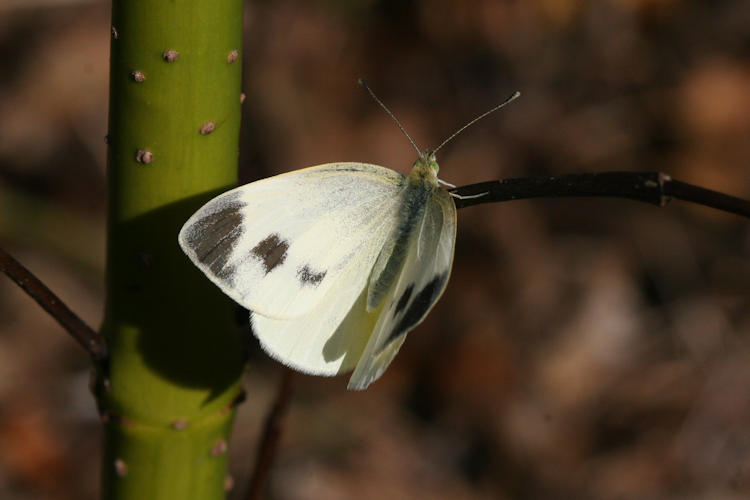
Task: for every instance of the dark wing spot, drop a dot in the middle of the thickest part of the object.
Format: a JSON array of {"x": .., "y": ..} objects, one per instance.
[
  {"x": 214, "y": 237},
  {"x": 309, "y": 277},
  {"x": 418, "y": 308},
  {"x": 271, "y": 251},
  {"x": 404, "y": 299}
]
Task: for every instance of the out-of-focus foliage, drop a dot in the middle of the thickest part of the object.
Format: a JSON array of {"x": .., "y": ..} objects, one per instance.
[{"x": 584, "y": 348}]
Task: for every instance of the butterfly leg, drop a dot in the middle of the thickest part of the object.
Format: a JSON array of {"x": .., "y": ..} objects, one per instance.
[{"x": 468, "y": 196}]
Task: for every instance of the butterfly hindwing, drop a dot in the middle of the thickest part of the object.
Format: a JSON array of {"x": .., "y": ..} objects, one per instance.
[
  {"x": 421, "y": 281},
  {"x": 329, "y": 339},
  {"x": 278, "y": 246}
]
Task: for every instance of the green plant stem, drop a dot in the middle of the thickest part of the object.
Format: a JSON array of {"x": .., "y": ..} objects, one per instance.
[{"x": 175, "y": 355}]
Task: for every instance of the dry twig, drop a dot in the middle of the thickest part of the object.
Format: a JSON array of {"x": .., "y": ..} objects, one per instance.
[{"x": 81, "y": 332}]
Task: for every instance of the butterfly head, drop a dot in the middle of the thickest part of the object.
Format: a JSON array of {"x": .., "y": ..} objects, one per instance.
[{"x": 427, "y": 164}]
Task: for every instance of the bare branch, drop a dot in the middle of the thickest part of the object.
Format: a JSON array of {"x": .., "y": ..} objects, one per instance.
[
  {"x": 81, "y": 332},
  {"x": 270, "y": 438},
  {"x": 702, "y": 196},
  {"x": 649, "y": 187}
]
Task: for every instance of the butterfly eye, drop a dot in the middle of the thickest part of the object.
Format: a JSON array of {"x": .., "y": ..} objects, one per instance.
[{"x": 432, "y": 162}]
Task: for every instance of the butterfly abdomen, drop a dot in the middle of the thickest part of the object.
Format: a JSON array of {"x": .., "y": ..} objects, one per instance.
[{"x": 388, "y": 265}]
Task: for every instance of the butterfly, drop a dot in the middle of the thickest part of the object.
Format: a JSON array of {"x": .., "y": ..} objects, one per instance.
[{"x": 336, "y": 263}]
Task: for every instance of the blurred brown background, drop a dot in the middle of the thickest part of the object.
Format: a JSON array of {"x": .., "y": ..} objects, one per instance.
[{"x": 593, "y": 349}]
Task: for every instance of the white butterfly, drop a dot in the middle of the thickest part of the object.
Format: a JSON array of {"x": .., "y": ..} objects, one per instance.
[{"x": 337, "y": 263}]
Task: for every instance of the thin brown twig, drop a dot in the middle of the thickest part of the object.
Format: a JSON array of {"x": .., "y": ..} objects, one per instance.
[
  {"x": 270, "y": 437},
  {"x": 75, "y": 326},
  {"x": 650, "y": 187},
  {"x": 708, "y": 197}
]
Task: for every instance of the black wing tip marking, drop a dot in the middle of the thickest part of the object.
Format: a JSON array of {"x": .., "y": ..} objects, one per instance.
[
  {"x": 214, "y": 236},
  {"x": 271, "y": 251},
  {"x": 309, "y": 277},
  {"x": 404, "y": 299},
  {"x": 418, "y": 307}
]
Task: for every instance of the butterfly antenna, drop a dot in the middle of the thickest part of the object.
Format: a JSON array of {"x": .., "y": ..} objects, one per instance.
[
  {"x": 510, "y": 99},
  {"x": 372, "y": 94}
]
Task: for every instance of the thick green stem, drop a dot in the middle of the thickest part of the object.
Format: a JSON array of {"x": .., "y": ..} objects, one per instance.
[{"x": 176, "y": 356}]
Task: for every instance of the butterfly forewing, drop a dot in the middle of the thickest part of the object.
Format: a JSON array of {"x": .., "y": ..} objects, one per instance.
[{"x": 280, "y": 245}]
